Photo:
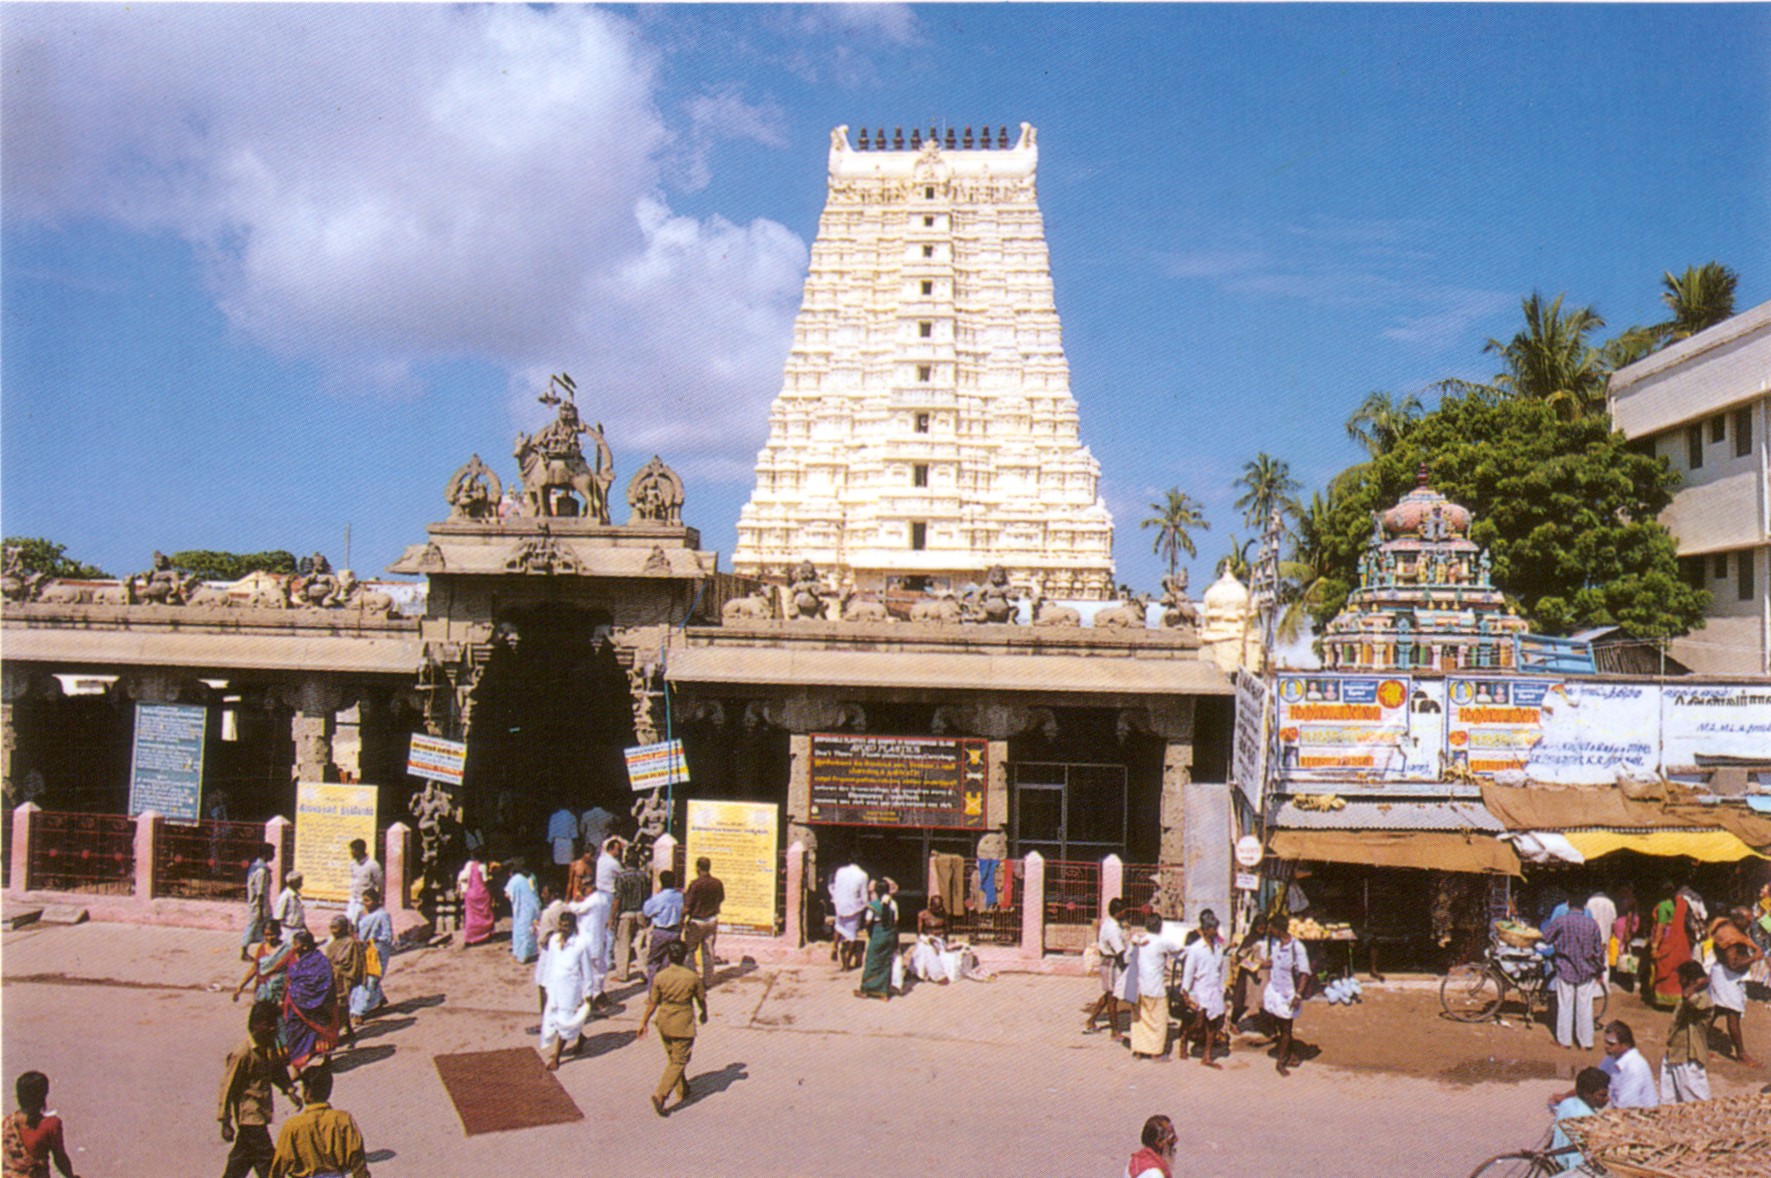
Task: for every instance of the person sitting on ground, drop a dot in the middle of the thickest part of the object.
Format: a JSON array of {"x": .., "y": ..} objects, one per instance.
[
  {"x": 930, "y": 958},
  {"x": 1110, "y": 943},
  {"x": 268, "y": 962},
  {"x": 319, "y": 1139},
  {"x": 1684, "y": 1069},
  {"x": 1731, "y": 936},
  {"x": 1592, "y": 1092},
  {"x": 1632, "y": 1081},
  {"x": 31, "y": 1137},
  {"x": 1156, "y": 1158}
]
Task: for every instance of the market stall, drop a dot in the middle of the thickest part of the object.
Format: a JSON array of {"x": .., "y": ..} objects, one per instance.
[{"x": 1725, "y": 1138}]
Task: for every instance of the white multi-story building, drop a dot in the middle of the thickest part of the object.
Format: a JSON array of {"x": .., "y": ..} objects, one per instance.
[
  {"x": 925, "y": 429},
  {"x": 1705, "y": 404}
]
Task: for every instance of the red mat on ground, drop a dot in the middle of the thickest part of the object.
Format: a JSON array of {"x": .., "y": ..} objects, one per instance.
[{"x": 510, "y": 1089}]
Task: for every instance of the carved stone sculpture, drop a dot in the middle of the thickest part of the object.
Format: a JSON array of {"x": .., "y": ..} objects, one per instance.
[
  {"x": 805, "y": 593},
  {"x": 1178, "y": 610},
  {"x": 941, "y": 609},
  {"x": 16, "y": 582},
  {"x": 542, "y": 556},
  {"x": 1131, "y": 615},
  {"x": 355, "y": 594},
  {"x": 860, "y": 609},
  {"x": 553, "y": 464},
  {"x": 655, "y": 495},
  {"x": 162, "y": 585},
  {"x": 757, "y": 606},
  {"x": 474, "y": 491},
  {"x": 994, "y": 602},
  {"x": 315, "y": 585}
]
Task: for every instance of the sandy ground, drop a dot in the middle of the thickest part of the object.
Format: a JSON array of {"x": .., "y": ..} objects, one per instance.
[{"x": 792, "y": 1076}]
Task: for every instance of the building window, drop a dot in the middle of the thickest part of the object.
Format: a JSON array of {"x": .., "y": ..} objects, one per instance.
[
  {"x": 1743, "y": 575},
  {"x": 1718, "y": 429},
  {"x": 924, "y": 372},
  {"x": 1743, "y": 432},
  {"x": 922, "y": 423},
  {"x": 925, "y": 329},
  {"x": 928, "y": 222},
  {"x": 919, "y": 536},
  {"x": 1691, "y": 571},
  {"x": 928, "y": 193},
  {"x": 1693, "y": 441},
  {"x": 928, "y": 251},
  {"x": 919, "y": 474},
  {"x": 1719, "y": 566}
]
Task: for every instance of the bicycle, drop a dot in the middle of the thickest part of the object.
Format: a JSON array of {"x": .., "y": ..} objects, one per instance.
[
  {"x": 1476, "y": 991},
  {"x": 1541, "y": 1162}
]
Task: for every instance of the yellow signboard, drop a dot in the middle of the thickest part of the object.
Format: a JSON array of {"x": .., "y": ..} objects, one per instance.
[
  {"x": 327, "y": 818},
  {"x": 740, "y": 838}
]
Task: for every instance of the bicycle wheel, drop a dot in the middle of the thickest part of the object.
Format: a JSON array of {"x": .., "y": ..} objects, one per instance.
[
  {"x": 1523, "y": 1164},
  {"x": 1470, "y": 993}
]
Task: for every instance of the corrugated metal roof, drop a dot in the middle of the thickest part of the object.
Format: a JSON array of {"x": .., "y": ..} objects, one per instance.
[{"x": 1399, "y": 815}]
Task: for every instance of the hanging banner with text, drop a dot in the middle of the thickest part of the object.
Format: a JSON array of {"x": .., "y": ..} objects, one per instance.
[
  {"x": 1248, "y": 749},
  {"x": 1333, "y": 727},
  {"x": 166, "y": 766},
  {"x": 740, "y": 838},
  {"x": 436, "y": 759},
  {"x": 1716, "y": 721},
  {"x": 919, "y": 781},
  {"x": 327, "y": 817},
  {"x": 653, "y": 766}
]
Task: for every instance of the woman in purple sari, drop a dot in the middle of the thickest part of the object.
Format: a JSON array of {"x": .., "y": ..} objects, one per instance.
[{"x": 310, "y": 1004}]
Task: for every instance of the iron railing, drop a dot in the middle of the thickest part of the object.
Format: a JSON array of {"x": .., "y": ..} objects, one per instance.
[
  {"x": 1072, "y": 892},
  {"x": 1141, "y": 882},
  {"x": 82, "y": 853},
  {"x": 205, "y": 860},
  {"x": 1000, "y": 925}
]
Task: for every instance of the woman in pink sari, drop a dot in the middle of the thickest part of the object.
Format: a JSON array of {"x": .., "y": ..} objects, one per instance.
[{"x": 476, "y": 899}]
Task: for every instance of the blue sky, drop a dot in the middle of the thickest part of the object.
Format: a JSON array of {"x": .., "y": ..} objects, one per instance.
[{"x": 267, "y": 271}]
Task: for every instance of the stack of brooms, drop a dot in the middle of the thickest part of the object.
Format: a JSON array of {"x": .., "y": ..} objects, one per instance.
[{"x": 1725, "y": 1138}]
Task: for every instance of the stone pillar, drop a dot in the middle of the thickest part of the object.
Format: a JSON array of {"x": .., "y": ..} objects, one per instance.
[
  {"x": 393, "y": 868},
  {"x": 279, "y": 832},
  {"x": 799, "y": 777},
  {"x": 663, "y": 857},
  {"x": 21, "y": 847},
  {"x": 794, "y": 923},
  {"x": 996, "y": 793},
  {"x": 1112, "y": 881},
  {"x": 312, "y": 732},
  {"x": 147, "y": 834},
  {"x": 1177, "y": 771},
  {"x": 1033, "y": 906}
]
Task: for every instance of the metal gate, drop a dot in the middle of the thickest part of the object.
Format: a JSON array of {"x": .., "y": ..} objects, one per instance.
[{"x": 1067, "y": 811}]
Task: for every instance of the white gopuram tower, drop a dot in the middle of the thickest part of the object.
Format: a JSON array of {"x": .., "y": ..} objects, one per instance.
[{"x": 925, "y": 429}]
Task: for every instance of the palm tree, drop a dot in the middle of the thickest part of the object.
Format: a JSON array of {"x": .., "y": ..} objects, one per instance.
[
  {"x": 1236, "y": 561},
  {"x": 1174, "y": 520},
  {"x": 1267, "y": 484},
  {"x": 1305, "y": 579},
  {"x": 1382, "y": 420},
  {"x": 1701, "y": 297},
  {"x": 1551, "y": 360}
]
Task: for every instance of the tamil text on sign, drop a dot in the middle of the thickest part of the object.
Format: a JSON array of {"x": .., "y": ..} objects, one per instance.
[
  {"x": 652, "y": 766},
  {"x": 436, "y": 759},
  {"x": 327, "y": 818},
  {"x": 739, "y": 838},
  {"x": 899, "y": 781},
  {"x": 166, "y": 767}
]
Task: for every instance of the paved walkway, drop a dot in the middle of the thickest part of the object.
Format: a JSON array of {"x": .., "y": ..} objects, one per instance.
[{"x": 792, "y": 1076}]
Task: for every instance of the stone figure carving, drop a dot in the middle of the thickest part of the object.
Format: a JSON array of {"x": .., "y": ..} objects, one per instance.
[
  {"x": 1046, "y": 614},
  {"x": 162, "y": 585},
  {"x": 542, "y": 556},
  {"x": 553, "y": 464},
  {"x": 315, "y": 584},
  {"x": 355, "y": 594},
  {"x": 16, "y": 582},
  {"x": 994, "y": 602},
  {"x": 655, "y": 495},
  {"x": 62, "y": 593},
  {"x": 860, "y": 609},
  {"x": 639, "y": 687},
  {"x": 805, "y": 593},
  {"x": 650, "y": 815},
  {"x": 434, "y": 808},
  {"x": 1178, "y": 610},
  {"x": 1129, "y": 615},
  {"x": 941, "y": 608},
  {"x": 757, "y": 606},
  {"x": 474, "y": 491}
]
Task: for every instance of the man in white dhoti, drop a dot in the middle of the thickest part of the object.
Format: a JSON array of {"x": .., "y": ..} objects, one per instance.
[
  {"x": 1148, "y": 986},
  {"x": 592, "y": 913},
  {"x": 848, "y": 899},
  {"x": 565, "y": 975},
  {"x": 1289, "y": 971},
  {"x": 1205, "y": 976}
]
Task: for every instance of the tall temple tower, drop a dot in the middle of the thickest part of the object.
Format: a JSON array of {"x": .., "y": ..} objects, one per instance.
[{"x": 925, "y": 429}]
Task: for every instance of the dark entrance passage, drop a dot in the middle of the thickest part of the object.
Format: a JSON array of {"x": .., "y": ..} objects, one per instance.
[
  {"x": 551, "y": 717},
  {"x": 1067, "y": 811},
  {"x": 901, "y": 854}
]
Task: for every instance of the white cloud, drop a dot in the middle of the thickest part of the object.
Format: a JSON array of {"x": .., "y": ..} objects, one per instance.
[{"x": 371, "y": 188}]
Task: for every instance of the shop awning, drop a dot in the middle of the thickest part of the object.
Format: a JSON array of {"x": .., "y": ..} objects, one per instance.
[
  {"x": 1707, "y": 846},
  {"x": 1425, "y": 849},
  {"x": 1575, "y": 808}
]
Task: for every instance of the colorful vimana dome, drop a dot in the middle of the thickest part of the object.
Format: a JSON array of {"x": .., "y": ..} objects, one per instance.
[{"x": 1425, "y": 600}]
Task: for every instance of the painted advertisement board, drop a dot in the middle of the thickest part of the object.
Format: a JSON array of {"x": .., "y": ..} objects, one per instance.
[
  {"x": 327, "y": 817},
  {"x": 899, "y": 781},
  {"x": 741, "y": 838},
  {"x": 166, "y": 763},
  {"x": 1380, "y": 727}
]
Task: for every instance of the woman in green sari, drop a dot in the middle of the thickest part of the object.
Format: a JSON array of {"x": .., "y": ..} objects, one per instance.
[{"x": 882, "y": 942}]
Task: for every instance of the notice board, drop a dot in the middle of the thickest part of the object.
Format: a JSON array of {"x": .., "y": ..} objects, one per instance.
[
  {"x": 922, "y": 781},
  {"x": 327, "y": 817},
  {"x": 740, "y": 838},
  {"x": 166, "y": 765}
]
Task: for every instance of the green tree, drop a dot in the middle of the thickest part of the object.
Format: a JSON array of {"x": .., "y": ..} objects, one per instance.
[
  {"x": 1551, "y": 360},
  {"x": 1236, "y": 561},
  {"x": 231, "y": 566},
  {"x": 1382, "y": 419},
  {"x": 1266, "y": 483},
  {"x": 1565, "y": 508},
  {"x": 38, "y": 555},
  {"x": 1308, "y": 578},
  {"x": 1174, "y": 519},
  {"x": 1701, "y": 297}
]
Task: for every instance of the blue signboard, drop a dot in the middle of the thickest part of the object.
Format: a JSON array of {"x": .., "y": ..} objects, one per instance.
[{"x": 166, "y": 768}]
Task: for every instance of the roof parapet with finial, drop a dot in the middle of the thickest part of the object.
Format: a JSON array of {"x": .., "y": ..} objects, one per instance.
[{"x": 879, "y": 154}]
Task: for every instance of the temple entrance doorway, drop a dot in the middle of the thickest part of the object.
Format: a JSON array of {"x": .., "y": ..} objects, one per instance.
[
  {"x": 1067, "y": 811},
  {"x": 552, "y": 715}
]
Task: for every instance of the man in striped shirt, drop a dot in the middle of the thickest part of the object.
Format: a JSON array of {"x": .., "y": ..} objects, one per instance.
[{"x": 1578, "y": 951}]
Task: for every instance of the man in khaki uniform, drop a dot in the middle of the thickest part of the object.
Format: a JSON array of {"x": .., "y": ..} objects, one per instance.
[{"x": 676, "y": 991}]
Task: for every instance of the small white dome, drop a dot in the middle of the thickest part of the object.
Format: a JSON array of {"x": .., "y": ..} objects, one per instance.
[{"x": 1226, "y": 594}]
